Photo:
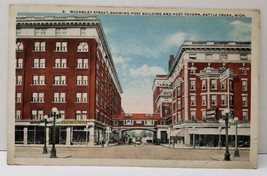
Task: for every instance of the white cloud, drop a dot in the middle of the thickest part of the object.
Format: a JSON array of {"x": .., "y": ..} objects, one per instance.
[
  {"x": 175, "y": 39},
  {"x": 241, "y": 31},
  {"x": 146, "y": 70},
  {"x": 119, "y": 60}
]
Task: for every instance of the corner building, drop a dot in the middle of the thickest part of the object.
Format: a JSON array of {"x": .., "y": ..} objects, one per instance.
[
  {"x": 207, "y": 78},
  {"x": 64, "y": 62}
]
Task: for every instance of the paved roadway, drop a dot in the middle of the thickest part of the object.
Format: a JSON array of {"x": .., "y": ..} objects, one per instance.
[{"x": 144, "y": 151}]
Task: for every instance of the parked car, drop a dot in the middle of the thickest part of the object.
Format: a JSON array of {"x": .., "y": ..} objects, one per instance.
[{"x": 138, "y": 140}]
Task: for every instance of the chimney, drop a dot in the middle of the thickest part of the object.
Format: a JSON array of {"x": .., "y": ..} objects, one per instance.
[{"x": 171, "y": 61}]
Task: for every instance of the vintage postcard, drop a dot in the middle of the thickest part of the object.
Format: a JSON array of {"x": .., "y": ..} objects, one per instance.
[{"x": 150, "y": 87}]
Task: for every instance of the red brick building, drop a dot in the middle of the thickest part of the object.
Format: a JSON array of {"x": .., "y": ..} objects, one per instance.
[
  {"x": 207, "y": 78},
  {"x": 64, "y": 62}
]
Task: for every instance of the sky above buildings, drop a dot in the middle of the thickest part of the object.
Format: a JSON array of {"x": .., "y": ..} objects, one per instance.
[{"x": 141, "y": 47}]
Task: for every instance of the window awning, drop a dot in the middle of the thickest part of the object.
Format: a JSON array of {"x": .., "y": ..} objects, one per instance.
[{"x": 179, "y": 133}]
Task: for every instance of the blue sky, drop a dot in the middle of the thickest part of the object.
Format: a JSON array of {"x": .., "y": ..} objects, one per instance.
[{"x": 141, "y": 46}]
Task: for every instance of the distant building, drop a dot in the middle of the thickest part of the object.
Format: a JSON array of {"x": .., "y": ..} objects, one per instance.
[
  {"x": 64, "y": 62},
  {"x": 207, "y": 78}
]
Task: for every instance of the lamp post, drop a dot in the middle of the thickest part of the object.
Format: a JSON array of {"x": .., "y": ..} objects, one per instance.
[
  {"x": 236, "y": 154},
  {"x": 226, "y": 118},
  {"x": 55, "y": 115},
  {"x": 44, "y": 123}
]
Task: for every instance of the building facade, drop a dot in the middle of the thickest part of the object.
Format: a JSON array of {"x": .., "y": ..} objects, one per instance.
[
  {"x": 206, "y": 79},
  {"x": 64, "y": 62}
]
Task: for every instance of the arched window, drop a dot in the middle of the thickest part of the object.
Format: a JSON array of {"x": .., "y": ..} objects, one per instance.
[
  {"x": 19, "y": 46},
  {"x": 83, "y": 47}
]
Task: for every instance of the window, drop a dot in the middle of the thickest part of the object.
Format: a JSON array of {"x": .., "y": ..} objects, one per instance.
[
  {"x": 83, "y": 31},
  {"x": 192, "y": 70},
  {"x": 39, "y": 32},
  {"x": 60, "y": 80},
  {"x": 204, "y": 114},
  {"x": 178, "y": 90},
  {"x": 61, "y": 31},
  {"x": 18, "y": 80},
  {"x": 245, "y": 115},
  {"x": 37, "y": 114},
  {"x": 192, "y": 56},
  {"x": 82, "y": 80},
  {"x": 59, "y": 97},
  {"x": 203, "y": 84},
  {"x": 62, "y": 114},
  {"x": 179, "y": 104},
  {"x": 128, "y": 122},
  {"x": 83, "y": 47},
  {"x": 97, "y": 67},
  {"x": 244, "y": 85},
  {"x": 61, "y": 46},
  {"x": 38, "y": 63},
  {"x": 19, "y": 63},
  {"x": 223, "y": 85},
  {"x": 213, "y": 84},
  {"x": 243, "y": 70},
  {"x": 245, "y": 101},
  {"x": 149, "y": 122},
  {"x": 213, "y": 100},
  {"x": 38, "y": 97},
  {"x": 81, "y": 97},
  {"x": 38, "y": 80},
  {"x": 193, "y": 84},
  {"x": 19, "y": 46},
  {"x": 82, "y": 63},
  {"x": 193, "y": 115},
  {"x": 97, "y": 100},
  {"x": 223, "y": 56},
  {"x": 80, "y": 115},
  {"x": 243, "y": 57},
  {"x": 203, "y": 100},
  {"x": 179, "y": 117},
  {"x": 97, "y": 84},
  {"x": 39, "y": 46},
  {"x": 60, "y": 63},
  {"x": 18, "y": 114},
  {"x": 231, "y": 100},
  {"x": 18, "y": 32},
  {"x": 18, "y": 97},
  {"x": 231, "y": 86},
  {"x": 223, "y": 100},
  {"x": 192, "y": 100},
  {"x": 208, "y": 57}
]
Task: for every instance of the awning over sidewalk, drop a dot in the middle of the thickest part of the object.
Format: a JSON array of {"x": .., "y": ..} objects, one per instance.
[
  {"x": 240, "y": 131},
  {"x": 179, "y": 133},
  {"x": 207, "y": 131}
]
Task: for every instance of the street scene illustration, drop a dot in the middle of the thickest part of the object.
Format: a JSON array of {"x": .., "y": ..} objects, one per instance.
[{"x": 133, "y": 87}]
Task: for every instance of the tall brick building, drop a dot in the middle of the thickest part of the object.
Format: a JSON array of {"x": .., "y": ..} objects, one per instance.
[
  {"x": 207, "y": 78},
  {"x": 64, "y": 62}
]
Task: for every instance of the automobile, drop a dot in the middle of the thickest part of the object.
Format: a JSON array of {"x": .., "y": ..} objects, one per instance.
[
  {"x": 138, "y": 140},
  {"x": 244, "y": 144}
]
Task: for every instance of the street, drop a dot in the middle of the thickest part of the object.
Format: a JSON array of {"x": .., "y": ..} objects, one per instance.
[{"x": 143, "y": 151}]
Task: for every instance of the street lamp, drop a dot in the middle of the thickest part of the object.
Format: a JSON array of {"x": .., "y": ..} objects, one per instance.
[
  {"x": 226, "y": 119},
  {"x": 236, "y": 154},
  {"x": 44, "y": 123},
  {"x": 55, "y": 115}
]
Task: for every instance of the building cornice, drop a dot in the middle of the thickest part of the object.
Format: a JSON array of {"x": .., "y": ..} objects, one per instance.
[{"x": 210, "y": 46}]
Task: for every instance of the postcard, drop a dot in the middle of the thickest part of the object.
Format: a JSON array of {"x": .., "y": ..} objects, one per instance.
[{"x": 117, "y": 86}]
